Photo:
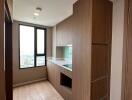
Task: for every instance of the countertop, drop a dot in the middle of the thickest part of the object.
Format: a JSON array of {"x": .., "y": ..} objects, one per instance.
[{"x": 60, "y": 62}]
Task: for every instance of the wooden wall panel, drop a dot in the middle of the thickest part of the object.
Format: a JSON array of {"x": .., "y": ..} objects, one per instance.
[
  {"x": 127, "y": 82},
  {"x": 100, "y": 63},
  {"x": 99, "y": 90},
  {"x": 2, "y": 73},
  {"x": 82, "y": 49},
  {"x": 101, "y": 49},
  {"x": 64, "y": 32},
  {"x": 99, "y": 22},
  {"x": 102, "y": 14}
]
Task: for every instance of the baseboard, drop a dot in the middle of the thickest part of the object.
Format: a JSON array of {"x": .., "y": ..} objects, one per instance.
[{"x": 29, "y": 82}]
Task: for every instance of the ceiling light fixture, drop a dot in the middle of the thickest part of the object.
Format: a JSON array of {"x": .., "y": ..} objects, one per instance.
[
  {"x": 38, "y": 9},
  {"x": 36, "y": 14}
]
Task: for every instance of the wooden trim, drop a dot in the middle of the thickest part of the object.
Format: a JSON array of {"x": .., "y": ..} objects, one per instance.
[
  {"x": 29, "y": 82},
  {"x": 8, "y": 59},
  {"x": 7, "y": 11},
  {"x": 8, "y": 52},
  {"x": 125, "y": 53},
  {"x": 2, "y": 73}
]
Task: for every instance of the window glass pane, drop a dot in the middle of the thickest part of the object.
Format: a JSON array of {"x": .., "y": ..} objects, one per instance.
[
  {"x": 40, "y": 41},
  {"x": 40, "y": 60},
  {"x": 26, "y": 46}
]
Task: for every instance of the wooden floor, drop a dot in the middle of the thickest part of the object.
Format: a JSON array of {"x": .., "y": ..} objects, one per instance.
[{"x": 37, "y": 91}]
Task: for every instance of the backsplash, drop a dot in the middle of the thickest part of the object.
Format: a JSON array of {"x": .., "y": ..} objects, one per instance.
[{"x": 68, "y": 53}]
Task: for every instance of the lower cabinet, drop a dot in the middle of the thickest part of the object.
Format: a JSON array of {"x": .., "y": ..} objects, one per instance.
[{"x": 55, "y": 77}]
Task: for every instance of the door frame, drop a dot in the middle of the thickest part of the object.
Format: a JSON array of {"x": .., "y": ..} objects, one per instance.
[
  {"x": 2, "y": 72},
  {"x": 8, "y": 53}
]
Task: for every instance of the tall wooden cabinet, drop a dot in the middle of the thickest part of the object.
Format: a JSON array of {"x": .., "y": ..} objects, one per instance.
[
  {"x": 64, "y": 32},
  {"x": 82, "y": 30},
  {"x": 92, "y": 49},
  {"x": 101, "y": 49},
  {"x": 90, "y": 27}
]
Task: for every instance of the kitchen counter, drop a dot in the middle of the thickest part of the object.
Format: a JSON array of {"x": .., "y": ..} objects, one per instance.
[
  {"x": 60, "y": 77},
  {"x": 61, "y": 62}
]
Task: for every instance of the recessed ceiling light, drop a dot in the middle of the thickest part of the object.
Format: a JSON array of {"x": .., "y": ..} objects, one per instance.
[{"x": 36, "y": 14}]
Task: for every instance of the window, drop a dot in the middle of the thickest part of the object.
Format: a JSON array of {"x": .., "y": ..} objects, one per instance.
[
  {"x": 26, "y": 46},
  {"x": 32, "y": 46}
]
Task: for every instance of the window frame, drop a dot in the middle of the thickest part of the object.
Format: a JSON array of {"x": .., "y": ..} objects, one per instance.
[{"x": 35, "y": 45}]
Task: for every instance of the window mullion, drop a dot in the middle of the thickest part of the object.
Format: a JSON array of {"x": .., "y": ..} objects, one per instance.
[
  {"x": 45, "y": 40},
  {"x": 35, "y": 46}
]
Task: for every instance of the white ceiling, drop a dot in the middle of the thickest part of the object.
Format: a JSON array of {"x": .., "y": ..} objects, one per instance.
[{"x": 53, "y": 11}]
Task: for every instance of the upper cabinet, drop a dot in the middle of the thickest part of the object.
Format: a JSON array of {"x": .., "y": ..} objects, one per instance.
[
  {"x": 10, "y": 7},
  {"x": 102, "y": 24},
  {"x": 64, "y": 32}
]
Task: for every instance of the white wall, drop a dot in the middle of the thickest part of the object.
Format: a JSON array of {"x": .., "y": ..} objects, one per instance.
[{"x": 117, "y": 49}]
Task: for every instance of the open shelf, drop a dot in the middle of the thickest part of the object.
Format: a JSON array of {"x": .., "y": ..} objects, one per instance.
[{"x": 65, "y": 81}]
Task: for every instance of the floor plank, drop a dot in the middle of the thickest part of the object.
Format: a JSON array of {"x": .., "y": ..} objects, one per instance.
[{"x": 37, "y": 91}]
